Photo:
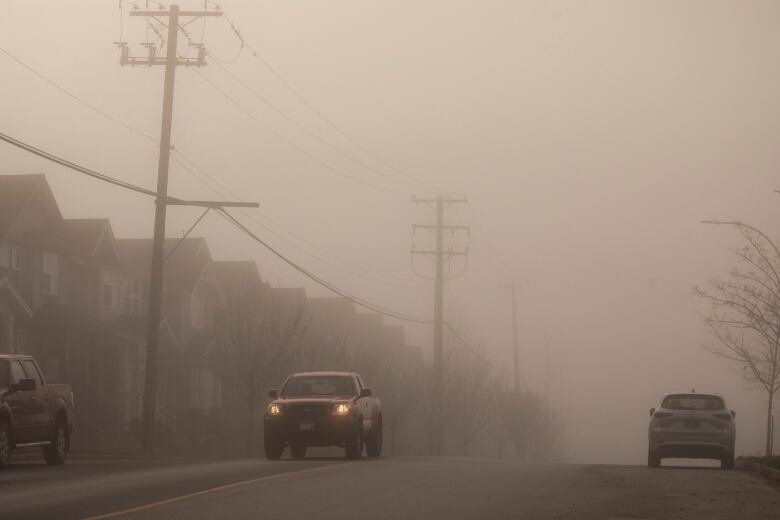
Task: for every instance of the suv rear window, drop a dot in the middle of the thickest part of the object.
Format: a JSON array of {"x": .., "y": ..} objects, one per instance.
[{"x": 693, "y": 402}]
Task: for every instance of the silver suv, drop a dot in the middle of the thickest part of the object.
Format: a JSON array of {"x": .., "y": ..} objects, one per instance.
[{"x": 691, "y": 426}]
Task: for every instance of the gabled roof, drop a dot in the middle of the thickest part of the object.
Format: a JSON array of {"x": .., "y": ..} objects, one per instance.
[
  {"x": 17, "y": 192},
  {"x": 183, "y": 268},
  {"x": 235, "y": 277},
  {"x": 92, "y": 237}
]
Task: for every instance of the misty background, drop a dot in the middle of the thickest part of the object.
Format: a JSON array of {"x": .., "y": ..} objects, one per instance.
[{"x": 590, "y": 139}]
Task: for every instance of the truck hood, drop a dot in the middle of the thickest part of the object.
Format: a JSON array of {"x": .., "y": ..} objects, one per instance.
[{"x": 314, "y": 399}]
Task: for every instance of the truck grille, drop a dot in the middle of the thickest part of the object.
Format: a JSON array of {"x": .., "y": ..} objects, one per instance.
[{"x": 308, "y": 410}]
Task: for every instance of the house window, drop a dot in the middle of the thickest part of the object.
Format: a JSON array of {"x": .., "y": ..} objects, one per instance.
[
  {"x": 197, "y": 310},
  {"x": 51, "y": 273},
  {"x": 110, "y": 296},
  {"x": 112, "y": 285},
  {"x": 133, "y": 297},
  {"x": 9, "y": 258}
]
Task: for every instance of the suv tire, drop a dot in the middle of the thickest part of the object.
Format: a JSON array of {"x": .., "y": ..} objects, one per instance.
[{"x": 653, "y": 460}]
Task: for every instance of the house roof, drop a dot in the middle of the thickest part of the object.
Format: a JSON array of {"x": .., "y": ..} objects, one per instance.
[
  {"x": 92, "y": 237},
  {"x": 236, "y": 276},
  {"x": 84, "y": 233},
  {"x": 183, "y": 268},
  {"x": 16, "y": 193}
]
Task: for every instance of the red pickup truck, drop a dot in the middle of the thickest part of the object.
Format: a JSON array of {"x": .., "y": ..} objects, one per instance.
[
  {"x": 33, "y": 413},
  {"x": 323, "y": 409}
]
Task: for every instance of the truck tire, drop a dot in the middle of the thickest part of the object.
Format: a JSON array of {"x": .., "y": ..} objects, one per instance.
[
  {"x": 56, "y": 452},
  {"x": 374, "y": 440},
  {"x": 5, "y": 444},
  {"x": 298, "y": 451},
  {"x": 273, "y": 448},
  {"x": 354, "y": 446},
  {"x": 727, "y": 461}
]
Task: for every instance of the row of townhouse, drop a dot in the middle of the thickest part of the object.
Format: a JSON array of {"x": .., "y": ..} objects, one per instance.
[{"x": 75, "y": 296}]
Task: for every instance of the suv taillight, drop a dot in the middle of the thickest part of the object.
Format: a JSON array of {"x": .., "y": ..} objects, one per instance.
[
  {"x": 661, "y": 415},
  {"x": 722, "y": 416}
]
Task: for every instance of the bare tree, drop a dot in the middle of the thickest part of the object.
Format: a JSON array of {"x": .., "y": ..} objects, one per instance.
[
  {"x": 258, "y": 343},
  {"x": 522, "y": 420},
  {"x": 469, "y": 386},
  {"x": 400, "y": 391},
  {"x": 744, "y": 315}
]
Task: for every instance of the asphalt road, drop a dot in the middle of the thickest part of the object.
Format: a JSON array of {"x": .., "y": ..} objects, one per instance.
[{"x": 387, "y": 488}]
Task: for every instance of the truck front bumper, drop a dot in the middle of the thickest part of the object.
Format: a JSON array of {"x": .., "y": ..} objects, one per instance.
[{"x": 320, "y": 431}]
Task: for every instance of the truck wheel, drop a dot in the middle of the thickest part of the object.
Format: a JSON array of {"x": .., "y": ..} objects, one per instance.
[
  {"x": 653, "y": 460},
  {"x": 56, "y": 452},
  {"x": 273, "y": 449},
  {"x": 354, "y": 445},
  {"x": 5, "y": 445},
  {"x": 374, "y": 440},
  {"x": 298, "y": 451},
  {"x": 727, "y": 461}
]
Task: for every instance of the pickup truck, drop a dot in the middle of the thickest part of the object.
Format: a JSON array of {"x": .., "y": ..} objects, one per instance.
[
  {"x": 33, "y": 413},
  {"x": 323, "y": 409}
]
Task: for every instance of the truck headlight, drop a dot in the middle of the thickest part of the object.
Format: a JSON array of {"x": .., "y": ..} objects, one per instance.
[
  {"x": 342, "y": 408},
  {"x": 274, "y": 409}
]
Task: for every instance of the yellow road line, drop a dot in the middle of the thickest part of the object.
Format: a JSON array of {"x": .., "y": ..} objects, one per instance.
[{"x": 209, "y": 490}]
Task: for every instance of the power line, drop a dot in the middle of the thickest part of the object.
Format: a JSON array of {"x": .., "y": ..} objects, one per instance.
[
  {"x": 318, "y": 113},
  {"x": 80, "y": 100},
  {"x": 474, "y": 352},
  {"x": 324, "y": 283},
  {"x": 291, "y": 143},
  {"x": 354, "y": 299},
  {"x": 111, "y": 180},
  {"x": 375, "y": 276},
  {"x": 194, "y": 165},
  {"x": 73, "y": 166},
  {"x": 258, "y": 95}
]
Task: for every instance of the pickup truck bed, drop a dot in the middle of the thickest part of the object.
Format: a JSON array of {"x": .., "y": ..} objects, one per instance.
[{"x": 33, "y": 413}]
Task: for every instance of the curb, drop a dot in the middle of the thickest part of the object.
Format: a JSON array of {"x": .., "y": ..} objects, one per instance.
[{"x": 762, "y": 469}]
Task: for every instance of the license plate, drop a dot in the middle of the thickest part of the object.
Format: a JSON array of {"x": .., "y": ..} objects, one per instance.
[
  {"x": 691, "y": 425},
  {"x": 306, "y": 426}
]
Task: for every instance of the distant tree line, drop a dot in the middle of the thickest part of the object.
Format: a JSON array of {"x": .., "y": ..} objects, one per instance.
[{"x": 262, "y": 341}]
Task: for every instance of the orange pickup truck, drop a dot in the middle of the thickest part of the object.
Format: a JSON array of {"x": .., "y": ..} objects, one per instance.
[{"x": 33, "y": 413}]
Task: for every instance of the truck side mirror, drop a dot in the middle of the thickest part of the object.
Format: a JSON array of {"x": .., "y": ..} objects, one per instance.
[
  {"x": 366, "y": 392},
  {"x": 24, "y": 385},
  {"x": 27, "y": 385},
  {"x": 652, "y": 411},
  {"x": 733, "y": 414},
  {"x": 273, "y": 394}
]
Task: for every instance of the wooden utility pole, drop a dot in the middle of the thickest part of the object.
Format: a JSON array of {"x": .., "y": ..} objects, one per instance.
[
  {"x": 170, "y": 61},
  {"x": 439, "y": 204},
  {"x": 515, "y": 347}
]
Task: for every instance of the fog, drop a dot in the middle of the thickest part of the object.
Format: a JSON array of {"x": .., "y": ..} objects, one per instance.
[{"x": 590, "y": 139}]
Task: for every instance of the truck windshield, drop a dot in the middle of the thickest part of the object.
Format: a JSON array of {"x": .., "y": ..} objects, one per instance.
[
  {"x": 693, "y": 402},
  {"x": 318, "y": 385}
]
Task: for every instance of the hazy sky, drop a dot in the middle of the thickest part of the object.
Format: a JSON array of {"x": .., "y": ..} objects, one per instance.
[{"x": 589, "y": 137}]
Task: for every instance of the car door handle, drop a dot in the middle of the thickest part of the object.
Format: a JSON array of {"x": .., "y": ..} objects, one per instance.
[{"x": 32, "y": 398}]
